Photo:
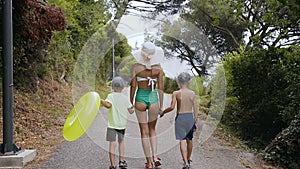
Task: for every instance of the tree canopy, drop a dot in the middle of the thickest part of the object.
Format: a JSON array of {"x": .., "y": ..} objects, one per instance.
[
  {"x": 34, "y": 23},
  {"x": 244, "y": 23},
  {"x": 153, "y": 8}
]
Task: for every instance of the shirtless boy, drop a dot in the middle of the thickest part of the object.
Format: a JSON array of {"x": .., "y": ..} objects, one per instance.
[{"x": 186, "y": 119}]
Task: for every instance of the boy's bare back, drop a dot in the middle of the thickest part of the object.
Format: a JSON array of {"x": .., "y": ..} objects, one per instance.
[{"x": 185, "y": 100}]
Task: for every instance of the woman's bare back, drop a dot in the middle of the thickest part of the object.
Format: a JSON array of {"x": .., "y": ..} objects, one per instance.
[{"x": 141, "y": 71}]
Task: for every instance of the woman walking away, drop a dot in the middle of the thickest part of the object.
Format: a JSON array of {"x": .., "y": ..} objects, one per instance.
[{"x": 147, "y": 74}]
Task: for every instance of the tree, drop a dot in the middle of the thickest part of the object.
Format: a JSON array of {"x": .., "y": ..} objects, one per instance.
[
  {"x": 183, "y": 40},
  {"x": 225, "y": 26},
  {"x": 229, "y": 23},
  {"x": 84, "y": 18},
  {"x": 34, "y": 24},
  {"x": 153, "y": 8}
]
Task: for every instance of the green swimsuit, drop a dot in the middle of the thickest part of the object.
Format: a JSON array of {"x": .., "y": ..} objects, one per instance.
[{"x": 147, "y": 96}]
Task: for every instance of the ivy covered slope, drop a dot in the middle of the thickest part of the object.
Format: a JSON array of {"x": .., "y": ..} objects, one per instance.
[{"x": 284, "y": 149}]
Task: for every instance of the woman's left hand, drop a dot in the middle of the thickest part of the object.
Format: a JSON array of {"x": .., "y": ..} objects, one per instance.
[{"x": 160, "y": 112}]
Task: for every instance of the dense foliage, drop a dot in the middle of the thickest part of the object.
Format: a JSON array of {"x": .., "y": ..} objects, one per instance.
[
  {"x": 263, "y": 86},
  {"x": 66, "y": 29},
  {"x": 83, "y": 18},
  {"x": 284, "y": 150},
  {"x": 263, "y": 103},
  {"x": 170, "y": 85},
  {"x": 33, "y": 23},
  {"x": 87, "y": 42}
]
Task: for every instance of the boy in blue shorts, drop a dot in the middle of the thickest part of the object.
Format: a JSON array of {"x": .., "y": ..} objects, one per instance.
[
  {"x": 186, "y": 119},
  {"x": 119, "y": 105}
]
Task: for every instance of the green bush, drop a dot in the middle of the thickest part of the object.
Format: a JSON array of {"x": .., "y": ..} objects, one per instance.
[
  {"x": 232, "y": 115},
  {"x": 170, "y": 85},
  {"x": 266, "y": 85}
]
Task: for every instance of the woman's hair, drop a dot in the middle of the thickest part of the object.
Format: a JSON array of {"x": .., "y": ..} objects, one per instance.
[{"x": 184, "y": 77}]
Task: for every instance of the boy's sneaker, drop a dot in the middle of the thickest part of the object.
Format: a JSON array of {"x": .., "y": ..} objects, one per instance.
[
  {"x": 112, "y": 167},
  {"x": 123, "y": 164}
]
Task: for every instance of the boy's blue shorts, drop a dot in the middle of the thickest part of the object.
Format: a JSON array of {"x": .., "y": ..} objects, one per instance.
[{"x": 184, "y": 126}]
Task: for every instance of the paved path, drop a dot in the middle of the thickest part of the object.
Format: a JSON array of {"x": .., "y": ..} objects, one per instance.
[{"x": 90, "y": 151}]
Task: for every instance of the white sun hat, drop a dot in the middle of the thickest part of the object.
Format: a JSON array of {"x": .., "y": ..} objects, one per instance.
[{"x": 149, "y": 55}]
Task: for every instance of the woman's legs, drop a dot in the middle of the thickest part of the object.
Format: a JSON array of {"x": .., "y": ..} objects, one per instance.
[
  {"x": 147, "y": 124},
  {"x": 153, "y": 114},
  {"x": 144, "y": 130}
]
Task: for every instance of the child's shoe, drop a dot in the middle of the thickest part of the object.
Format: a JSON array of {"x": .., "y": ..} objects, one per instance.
[
  {"x": 112, "y": 167},
  {"x": 122, "y": 164}
]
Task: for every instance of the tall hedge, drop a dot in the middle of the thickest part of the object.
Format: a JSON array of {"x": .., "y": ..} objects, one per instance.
[{"x": 264, "y": 89}]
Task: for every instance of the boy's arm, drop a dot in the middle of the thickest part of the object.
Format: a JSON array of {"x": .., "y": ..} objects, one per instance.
[
  {"x": 171, "y": 107},
  {"x": 106, "y": 103},
  {"x": 196, "y": 108}
]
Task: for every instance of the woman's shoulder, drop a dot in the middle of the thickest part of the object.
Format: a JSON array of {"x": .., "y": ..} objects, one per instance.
[
  {"x": 156, "y": 66},
  {"x": 138, "y": 65}
]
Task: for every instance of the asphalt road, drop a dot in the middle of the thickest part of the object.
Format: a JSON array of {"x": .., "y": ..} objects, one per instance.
[{"x": 90, "y": 151}]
